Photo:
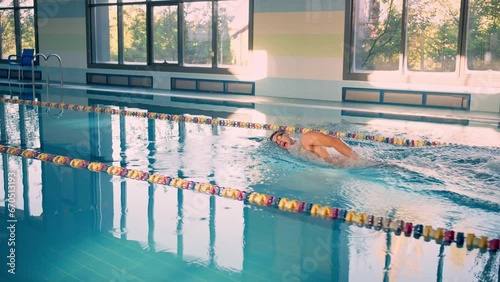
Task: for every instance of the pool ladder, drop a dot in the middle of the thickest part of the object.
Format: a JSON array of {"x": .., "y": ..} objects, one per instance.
[{"x": 47, "y": 80}]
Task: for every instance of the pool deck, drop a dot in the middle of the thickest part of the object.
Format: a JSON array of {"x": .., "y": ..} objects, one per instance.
[{"x": 477, "y": 117}]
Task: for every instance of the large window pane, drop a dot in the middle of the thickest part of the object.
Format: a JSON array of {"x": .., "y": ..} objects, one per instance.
[
  {"x": 27, "y": 28},
  {"x": 232, "y": 30},
  {"x": 7, "y": 29},
  {"x": 410, "y": 36},
  {"x": 35, "y": 187},
  {"x": 14, "y": 165},
  {"x": 7, "y": 3},
  {"x": 106, "y": 34},
  {"x": 104, "y": 1},
  {"x": 137, "y": 211},
  {"x": 165, "y": 34},
  {"x": 196, "y": 228},
  {"x": 377, "y": 34},
  {"x": 198, "y": 34},
  {"x": 166, "y": 220},
  {"x": 432, "y": 35},
  {"x": 135, "y": 39},
  {"x": 26, "y": 3},
  {"x": 191, "y": 33},
  {"x": 483, "y": 35}
]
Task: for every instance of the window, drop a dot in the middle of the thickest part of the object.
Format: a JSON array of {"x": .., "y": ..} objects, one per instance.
[
  {"x": 412, "y": 37},
  {"x": 483, "y": 35},
  {"x": 17, "y": 27},
  {"x": 198, "y": 36}
]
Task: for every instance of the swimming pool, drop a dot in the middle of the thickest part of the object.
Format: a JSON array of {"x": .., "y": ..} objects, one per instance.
[{"x": 74, "y": 224}]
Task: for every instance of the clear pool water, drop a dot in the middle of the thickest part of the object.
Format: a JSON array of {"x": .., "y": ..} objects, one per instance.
[{"x": 76, "y": 225}]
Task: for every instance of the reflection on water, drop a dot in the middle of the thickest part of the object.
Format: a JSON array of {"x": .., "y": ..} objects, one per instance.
[{"x": 101, "y": 227}]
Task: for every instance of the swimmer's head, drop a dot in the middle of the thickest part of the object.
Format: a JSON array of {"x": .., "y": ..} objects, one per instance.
[{"x": 282, "y": 139}]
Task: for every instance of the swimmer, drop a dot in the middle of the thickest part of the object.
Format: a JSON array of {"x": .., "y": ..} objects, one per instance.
[{"x": 316, "y": 143}]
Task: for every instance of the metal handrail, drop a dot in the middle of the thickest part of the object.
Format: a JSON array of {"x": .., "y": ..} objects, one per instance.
[{"x": 47, "y": 81}]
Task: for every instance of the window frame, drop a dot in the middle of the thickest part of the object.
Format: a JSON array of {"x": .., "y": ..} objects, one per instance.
[
  {"x": 17, "y": 27},
  {"x": 460, "y": 77},
  {"x": 150, "y": 64}
]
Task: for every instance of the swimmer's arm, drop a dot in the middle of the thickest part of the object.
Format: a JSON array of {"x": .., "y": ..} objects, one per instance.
[
  {"x": 318, "y": 139},
  {"x": 321, "y": 152}
]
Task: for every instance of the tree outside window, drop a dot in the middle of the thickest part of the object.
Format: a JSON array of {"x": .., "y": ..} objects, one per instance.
[
  {"x": 190, "y": 34},
  {"x": 17, "y": 27},
  {"x": 424, "y": 35}
]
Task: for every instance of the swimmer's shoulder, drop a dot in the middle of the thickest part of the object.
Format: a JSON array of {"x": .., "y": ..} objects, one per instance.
[{"x": 307, "y": 139}]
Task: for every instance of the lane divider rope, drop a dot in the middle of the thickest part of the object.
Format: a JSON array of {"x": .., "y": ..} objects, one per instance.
[
  {"x": 440, "y": 235},
  {"x": 226, "y": 122}
]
